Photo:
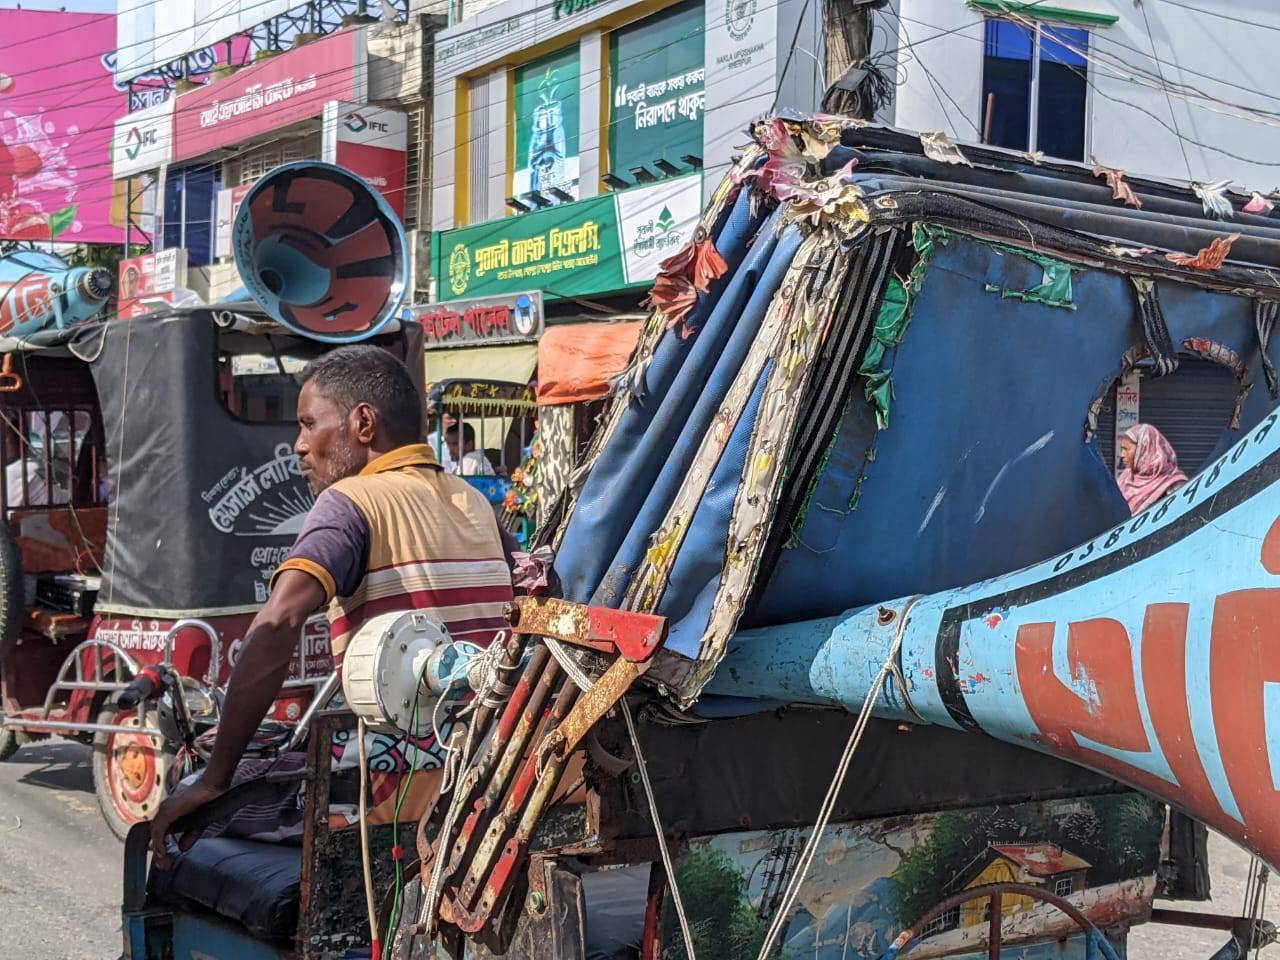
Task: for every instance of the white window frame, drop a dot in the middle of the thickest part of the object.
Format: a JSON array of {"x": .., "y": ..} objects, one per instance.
[
  {"x": 1033, "y": 97},
  {"x": 1064, "y": 887}
]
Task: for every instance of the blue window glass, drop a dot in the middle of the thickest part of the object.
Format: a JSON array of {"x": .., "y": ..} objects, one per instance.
[
  {"x": 190, "y": 214},
  {"x": 1006, "y": 85},
  {"x": 1041, "y": 68},
  {"x": 1063, "y": 95}
]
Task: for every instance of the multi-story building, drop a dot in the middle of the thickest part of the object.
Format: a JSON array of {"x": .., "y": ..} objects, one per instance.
[
  {"x": 322, "y": 82},
  {"x": 1176, "y": 89},
  {"x": 574, "y": 145}
]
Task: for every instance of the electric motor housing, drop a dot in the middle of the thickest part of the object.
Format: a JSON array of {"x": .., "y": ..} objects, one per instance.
[{"x": 387, "y": 669}]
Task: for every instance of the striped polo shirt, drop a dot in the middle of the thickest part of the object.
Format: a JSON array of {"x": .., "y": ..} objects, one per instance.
[{"x": 404, "y": 535}]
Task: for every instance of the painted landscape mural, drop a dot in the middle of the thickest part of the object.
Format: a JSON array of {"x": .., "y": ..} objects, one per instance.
[{"x": 872, "y": 879}]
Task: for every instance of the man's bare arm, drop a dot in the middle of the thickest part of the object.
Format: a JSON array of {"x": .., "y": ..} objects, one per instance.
[
  {"x": 256, "y": 680},
  {"x": 261, "y": 669}
]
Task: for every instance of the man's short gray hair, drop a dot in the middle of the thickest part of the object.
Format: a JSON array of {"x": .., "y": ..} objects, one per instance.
[{"x": 352, "y": 375}]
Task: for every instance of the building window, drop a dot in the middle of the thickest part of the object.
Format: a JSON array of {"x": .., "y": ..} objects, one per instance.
[
  {"x": 1035, "y": 88},
  {"x": 946, "y": 921},
  {"x": 190, "y": 212},
  {"x": 656, "y": 92},
  {"x": 1064, "y": 886},
  {"x": 547, "y": 105}
]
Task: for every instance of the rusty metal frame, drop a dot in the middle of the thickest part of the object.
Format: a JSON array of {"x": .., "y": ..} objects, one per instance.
[{"x": 503, "y": 798}]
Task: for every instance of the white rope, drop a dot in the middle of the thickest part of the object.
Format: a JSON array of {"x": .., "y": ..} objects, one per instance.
[
  {"x": 805, "y": 861},
  {"x": 364, "y": 831},
  {"x": 570, "y": 667}
]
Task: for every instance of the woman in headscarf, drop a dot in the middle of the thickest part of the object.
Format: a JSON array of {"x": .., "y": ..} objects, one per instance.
[{"x": 1150, "y": 467}]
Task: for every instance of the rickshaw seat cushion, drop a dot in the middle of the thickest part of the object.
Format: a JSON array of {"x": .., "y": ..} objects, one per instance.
[{"x": 253, "y": 883}]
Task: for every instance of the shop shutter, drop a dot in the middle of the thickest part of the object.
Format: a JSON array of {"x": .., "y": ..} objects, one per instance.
[{"x": 1192, "y": 407}]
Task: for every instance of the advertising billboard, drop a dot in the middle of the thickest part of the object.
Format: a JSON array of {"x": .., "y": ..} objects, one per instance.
[
  {"x": 58, "y": 107},
  {"x": 148, "y": 282},
  {"x": 372, "y": 143},
  {"x": 597, "y": 245},
  {"x": 264, "y": 97},
  {"x": 151, "y": 34},
  {"x": 546, "y": 105},
  {"x": 657, "y": 95}
]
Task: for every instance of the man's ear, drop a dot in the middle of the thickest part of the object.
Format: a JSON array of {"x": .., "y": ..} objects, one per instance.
[{"x": 364, "y": 421}]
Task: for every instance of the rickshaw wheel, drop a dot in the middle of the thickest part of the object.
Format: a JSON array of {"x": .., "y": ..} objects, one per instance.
[{"x": 130, "y": 771}]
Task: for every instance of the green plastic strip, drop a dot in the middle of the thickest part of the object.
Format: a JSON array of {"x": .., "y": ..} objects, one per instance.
[
  {"x": 1053, "y": 291},
  {"x": 1039, "y": 11},
  {"x": 892, "y": 320}
]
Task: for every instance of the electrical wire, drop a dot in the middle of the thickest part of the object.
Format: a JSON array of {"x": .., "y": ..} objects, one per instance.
[
  {"x": 1105, "y": 95},
  {"x": 365, "y": 859},
  {"x": 1173, "y": 117},
  {"x": 343, "y": 72}
]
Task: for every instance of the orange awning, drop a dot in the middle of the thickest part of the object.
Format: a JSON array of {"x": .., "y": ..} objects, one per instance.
[{"x": 576, "y": 361}]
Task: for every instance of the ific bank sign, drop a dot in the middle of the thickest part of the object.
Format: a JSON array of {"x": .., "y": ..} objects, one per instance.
[{"x": 142, "y": 141}]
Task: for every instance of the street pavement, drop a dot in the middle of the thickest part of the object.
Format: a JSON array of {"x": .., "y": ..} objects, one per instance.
[
  {"x": 60, "y": 870},
  {"x": 59, "y": 864}
]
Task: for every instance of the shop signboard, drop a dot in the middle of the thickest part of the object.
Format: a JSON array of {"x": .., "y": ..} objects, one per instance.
[
  {"x": 142, "y": 140},
  {"x": 371, "y": 142},
  {"x": 574, "y": 249},
  {"x": 228, "y": 205},
  {"x": 480, "y": 321},
  {"x": 147, "y": 282},
  {"x": 546, "y": 110},
  {"x": 657, "y": 95},
  {"x": 272, "y": 94}
]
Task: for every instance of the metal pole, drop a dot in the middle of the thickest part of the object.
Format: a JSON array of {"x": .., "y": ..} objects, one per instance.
[{"x": 128, "y": 214}]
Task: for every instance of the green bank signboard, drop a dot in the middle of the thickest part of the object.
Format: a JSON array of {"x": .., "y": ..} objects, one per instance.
[{"x": 573, "y": 249}]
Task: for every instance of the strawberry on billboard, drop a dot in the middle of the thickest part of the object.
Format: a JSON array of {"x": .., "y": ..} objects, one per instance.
[
  {"x": 56, "y": 121},
  {"x": 372, "y": 143},
  {"x": 275, "y": 93}
]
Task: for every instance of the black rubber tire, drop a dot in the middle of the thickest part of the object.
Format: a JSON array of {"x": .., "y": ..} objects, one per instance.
[
  {"x": 8, "y": 743},
  {"x": 118, "y": 823},
  {"x": 11, "y": 591}
]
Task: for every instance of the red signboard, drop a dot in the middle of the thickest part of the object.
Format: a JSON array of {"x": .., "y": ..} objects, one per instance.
[
  {"x": 148, "y": 281},
  {"x": 372, "y": 143},
  {"x": 273, "y": 94}
]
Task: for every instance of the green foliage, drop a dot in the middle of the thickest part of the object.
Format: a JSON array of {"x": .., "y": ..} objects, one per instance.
[
  {"x": 61, "y": 220},
  {"x": 926, "y": 871},
  {"x": 715, "y": 899}
]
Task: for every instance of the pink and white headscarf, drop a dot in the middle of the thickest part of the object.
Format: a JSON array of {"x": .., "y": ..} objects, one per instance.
[{"x": 1153, "y": 468}]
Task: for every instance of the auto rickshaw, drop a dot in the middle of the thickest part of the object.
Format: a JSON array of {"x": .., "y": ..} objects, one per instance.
[
  {"x": 504, "y": 418},
  {"x": 159, "y": 492}
]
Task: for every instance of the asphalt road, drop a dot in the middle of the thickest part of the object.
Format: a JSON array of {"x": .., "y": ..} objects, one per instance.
[
  {"x": 60, "y": 870},
  {"x": 59, "y": 864}
]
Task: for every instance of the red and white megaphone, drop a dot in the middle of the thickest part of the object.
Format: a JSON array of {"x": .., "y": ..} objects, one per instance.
[{"x": 321, "y": 252}]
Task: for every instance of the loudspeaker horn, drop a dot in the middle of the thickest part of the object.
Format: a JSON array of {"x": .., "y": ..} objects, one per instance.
[{"x": 321, "y": 252}]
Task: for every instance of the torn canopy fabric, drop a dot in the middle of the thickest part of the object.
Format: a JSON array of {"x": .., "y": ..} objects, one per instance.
[{"x": 983, "y": 467}]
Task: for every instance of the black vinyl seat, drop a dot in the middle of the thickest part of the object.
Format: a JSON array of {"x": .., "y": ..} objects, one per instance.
[{"x": 253, "y": 883}]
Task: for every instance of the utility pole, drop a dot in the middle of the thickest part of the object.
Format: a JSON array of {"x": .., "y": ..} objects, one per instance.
[{"x": 854, "y": 85}]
